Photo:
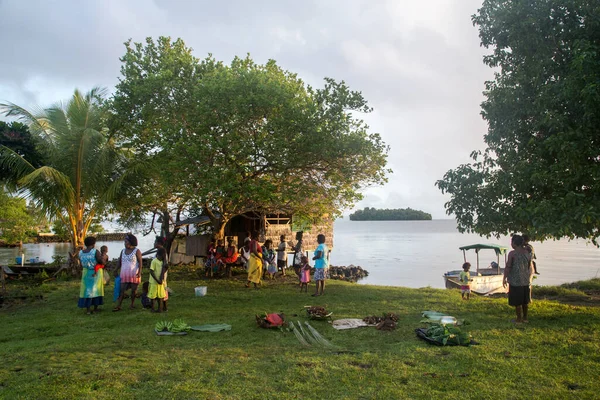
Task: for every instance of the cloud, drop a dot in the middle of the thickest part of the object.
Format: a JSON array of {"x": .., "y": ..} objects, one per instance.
[{"x": 418, "y": 63}]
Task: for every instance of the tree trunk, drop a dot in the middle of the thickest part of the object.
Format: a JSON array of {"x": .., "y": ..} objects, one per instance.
[
  {"x": 77, "y": 244},
  {"x": 220, "y": 233},
  {"x": 165, "y": 230}
]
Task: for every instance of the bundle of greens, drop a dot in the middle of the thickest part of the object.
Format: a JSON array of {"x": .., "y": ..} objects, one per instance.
[
  {"x": 163, "y": 326},
  {"x": 447, "y": 335},
  {"x": 176, "y": 326},
  {"x": 180, "y": 326}
]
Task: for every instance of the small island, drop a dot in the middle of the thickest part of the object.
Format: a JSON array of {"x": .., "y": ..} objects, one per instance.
[{"x": 399, "y": 214}]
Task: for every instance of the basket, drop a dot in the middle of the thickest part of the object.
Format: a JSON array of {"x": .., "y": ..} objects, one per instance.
[{"x": 200, "y": 291}]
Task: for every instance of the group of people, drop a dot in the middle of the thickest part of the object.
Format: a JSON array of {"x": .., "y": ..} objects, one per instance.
[
  {"x": 129, "y": 265},
  {"x": 258, "y": 260},
  {"x": 263, "y": 256},
  {"x": 518, "y": 275}
]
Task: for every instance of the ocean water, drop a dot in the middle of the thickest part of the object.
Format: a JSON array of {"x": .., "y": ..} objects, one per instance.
[
  {"x": 418, "y": 253},
  {"x": 403, "y": 253}
]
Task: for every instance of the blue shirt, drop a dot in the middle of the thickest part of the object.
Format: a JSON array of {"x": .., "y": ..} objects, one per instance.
[{"x": 321, "y": 262}]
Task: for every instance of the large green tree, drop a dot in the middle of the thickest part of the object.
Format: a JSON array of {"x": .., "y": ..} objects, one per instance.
[
  {"x": 149, "y": 112},
  {"x": 82, "y": 167},
  {"x": 16, "y": 136},
  {"x": 16, "y": 220},
  {"x": 245, "y": 137},
  {"x": 540, "y": 172}
]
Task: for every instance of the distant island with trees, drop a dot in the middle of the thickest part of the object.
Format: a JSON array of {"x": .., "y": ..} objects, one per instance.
[{"x": 399, "y": 214}]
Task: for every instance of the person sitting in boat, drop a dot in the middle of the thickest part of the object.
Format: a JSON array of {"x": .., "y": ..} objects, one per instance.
[{"x": 494, "y": 265}]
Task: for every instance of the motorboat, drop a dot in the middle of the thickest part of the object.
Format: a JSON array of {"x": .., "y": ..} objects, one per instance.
[{"x": 485, "y": 281}]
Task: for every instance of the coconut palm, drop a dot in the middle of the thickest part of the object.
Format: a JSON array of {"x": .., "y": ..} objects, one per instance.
[{"x": 83, "y": 168}]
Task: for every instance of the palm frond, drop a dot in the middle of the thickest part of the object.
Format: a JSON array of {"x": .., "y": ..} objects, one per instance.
[
  {"x": 37, "y": 123},
  {"x": 15, "y": 163},
  {"x": 47, "y": 180}
]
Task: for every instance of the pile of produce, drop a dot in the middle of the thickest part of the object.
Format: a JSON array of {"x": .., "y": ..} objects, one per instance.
[
  {"x": 266, "y": 320},
  {"x": 387, "y": 322},
  {"x": 175, "y": 327},
  {"x": 445, "y": 335},
  {"x": 317, "y": 312}
]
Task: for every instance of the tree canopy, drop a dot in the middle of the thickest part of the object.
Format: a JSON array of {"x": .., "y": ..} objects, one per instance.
[
  {"x": 399, "y": 214},
  {"x": 16, "y": 137},
  {"x": 82, "y": 168},
  {"x": 16, "y": 220},
  {"x": 241, "y": 137},
  {"x": 540, "y": 172}
]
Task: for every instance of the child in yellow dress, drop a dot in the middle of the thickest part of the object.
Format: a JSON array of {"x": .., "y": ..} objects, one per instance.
[{"x": 157, "y": 281}]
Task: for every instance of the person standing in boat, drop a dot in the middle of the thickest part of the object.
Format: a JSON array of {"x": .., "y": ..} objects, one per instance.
[{"x": 518, "y": 274}]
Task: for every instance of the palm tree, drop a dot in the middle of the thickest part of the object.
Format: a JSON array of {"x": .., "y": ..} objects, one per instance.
[{"x": 83, "y": 168}]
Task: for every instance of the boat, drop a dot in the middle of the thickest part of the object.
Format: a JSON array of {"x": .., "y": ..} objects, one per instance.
[
  {"x": 485, "y": 281},
  {"x": 28, "y": 268}
]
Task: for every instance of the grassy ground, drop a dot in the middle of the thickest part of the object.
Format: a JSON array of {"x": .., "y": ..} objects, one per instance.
[{"x": 52, "y": 350}]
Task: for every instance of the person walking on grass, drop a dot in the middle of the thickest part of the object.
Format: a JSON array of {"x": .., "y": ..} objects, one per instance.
[
  {"x": 321, "y": 264},
  {"x": 518, "y": 274},
  {"x": 91, "y": 292},
  {"x": 130, "y": 264}
]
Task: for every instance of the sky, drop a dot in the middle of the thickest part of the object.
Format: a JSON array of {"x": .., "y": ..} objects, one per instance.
[{"x": 418, "y": 63}]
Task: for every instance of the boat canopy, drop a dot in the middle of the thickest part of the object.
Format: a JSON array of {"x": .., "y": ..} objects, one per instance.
[{"x": 496, "y": 247}]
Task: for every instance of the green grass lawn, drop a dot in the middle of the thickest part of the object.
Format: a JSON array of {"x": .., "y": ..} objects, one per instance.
[{"x": 51, "y": 350}]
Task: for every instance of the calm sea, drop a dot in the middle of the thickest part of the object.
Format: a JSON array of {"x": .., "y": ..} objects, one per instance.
[{"x": 404, "y": 253}]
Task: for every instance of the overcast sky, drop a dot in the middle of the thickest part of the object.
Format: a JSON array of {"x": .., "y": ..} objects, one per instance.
[{"x": 418, "y": 63}]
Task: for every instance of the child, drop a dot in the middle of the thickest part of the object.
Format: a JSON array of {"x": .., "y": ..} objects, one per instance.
[
  {"x": 282, "y": 255},
  {"x": 304, "y": 274},
  {"x": 269, "y": 258},
  {"x": 465, "y": 278},
  {"x": 531, "y": 251},
  {"x": 145, "y": 300},
  {"x": 220, "y": 253},
  {"x": 159, "y": 243},
  {"x": 157, "y": 284},
  {"x": 211, "y": 260},
  {"x": 244, "y": 255},
  {"x": 104, "y": 257}
]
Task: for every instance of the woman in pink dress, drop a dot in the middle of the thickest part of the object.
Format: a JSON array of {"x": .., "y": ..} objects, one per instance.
[{"x": 130, "y": 264}]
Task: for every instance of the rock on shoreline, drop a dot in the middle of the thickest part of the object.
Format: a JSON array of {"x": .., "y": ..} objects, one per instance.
[{"x": 351, "y": 273}]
